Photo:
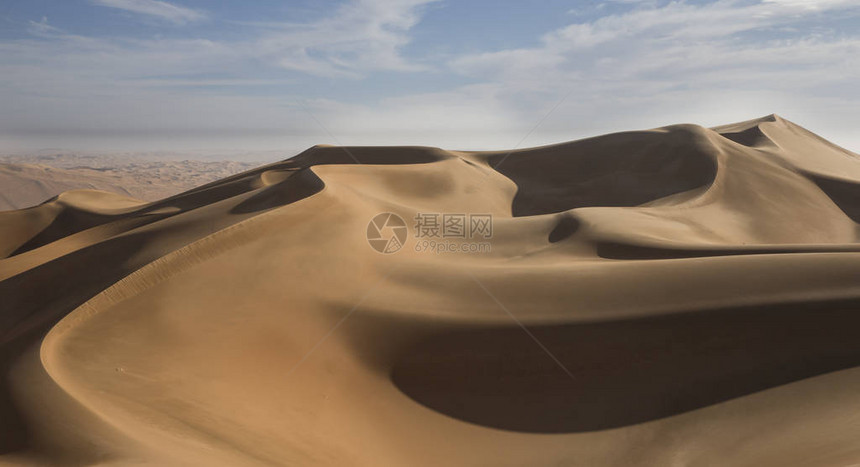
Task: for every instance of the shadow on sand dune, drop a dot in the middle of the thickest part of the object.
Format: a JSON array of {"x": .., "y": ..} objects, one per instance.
[
  {"x": 631, "y": 251},
  {"x": 845, "y": 194},
  {"x": 626, "y": 372},
  {"x": 298, "y": 185},
  {"x": 625, "y": 169}
]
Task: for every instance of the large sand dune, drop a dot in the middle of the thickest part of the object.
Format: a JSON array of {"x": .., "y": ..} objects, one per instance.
[{"x": 678, "y": 296}]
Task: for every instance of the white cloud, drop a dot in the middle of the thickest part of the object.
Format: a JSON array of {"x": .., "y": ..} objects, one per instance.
[
  {"x": 651, "y": 65},
  {"x": 163, "y": 10},
  {"x": 360, "y": 35},
  {"x": 63, "y": 82},
  {"x": 813, "y": 4},
  {"x": 650, "y": 31},
  {"x": 42, "y": 28},
  {"x": 657, "y": 65}
]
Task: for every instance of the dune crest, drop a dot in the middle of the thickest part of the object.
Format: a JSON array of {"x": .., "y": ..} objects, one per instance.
[{"x": 677, "y": 296}]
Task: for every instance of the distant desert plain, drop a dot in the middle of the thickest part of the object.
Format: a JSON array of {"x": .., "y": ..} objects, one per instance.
[
  {"x": 682, "y": 296},
  {"x": 28, "y": 179}
]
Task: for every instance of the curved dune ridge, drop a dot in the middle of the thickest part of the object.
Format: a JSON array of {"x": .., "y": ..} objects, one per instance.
[{"x": 677, "y": 296}]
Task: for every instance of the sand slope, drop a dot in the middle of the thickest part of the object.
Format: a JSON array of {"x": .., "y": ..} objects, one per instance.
[{"x": 678, "y": 296}]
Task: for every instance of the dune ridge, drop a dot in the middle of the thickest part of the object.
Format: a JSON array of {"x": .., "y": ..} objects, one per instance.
[{"x": 676, "y": 296}]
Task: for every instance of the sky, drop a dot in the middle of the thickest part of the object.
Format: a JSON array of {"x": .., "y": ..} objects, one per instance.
[{"x": 222, "y": 75}]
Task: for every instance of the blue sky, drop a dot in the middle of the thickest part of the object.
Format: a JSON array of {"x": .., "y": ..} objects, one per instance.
[{"x": 259, "y": 75}]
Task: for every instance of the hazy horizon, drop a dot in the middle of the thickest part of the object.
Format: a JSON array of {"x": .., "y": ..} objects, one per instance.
[{"x": 147, "y": 75}]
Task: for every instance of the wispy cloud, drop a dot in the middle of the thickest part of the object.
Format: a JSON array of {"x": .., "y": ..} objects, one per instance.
[
  {"x": 193, "y": 84},
  {"x": 644, "y": 34},
  {"x": 627, "y": 65},
  {"x": 163, "y": 10},
  {"x": 679, "y": 60},
  {"x": 359, "y": 36},
  {"x": 42, "y": 28},
  {"x": 813, "y": 4}
]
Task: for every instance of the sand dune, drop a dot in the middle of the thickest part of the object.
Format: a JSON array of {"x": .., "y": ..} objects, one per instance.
[
  {"x": 25, "y": 184},
  {"x": 677, "y": 296}
]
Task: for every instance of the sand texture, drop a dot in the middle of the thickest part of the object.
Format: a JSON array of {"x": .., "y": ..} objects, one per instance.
[{"x": 680, "y": 296}]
